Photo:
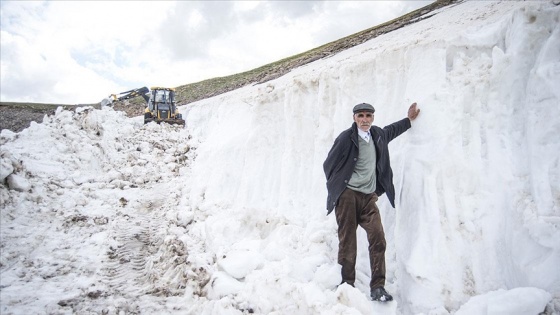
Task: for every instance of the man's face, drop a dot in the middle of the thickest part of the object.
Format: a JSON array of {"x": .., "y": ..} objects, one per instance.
[{"x": 364, "y": 120}]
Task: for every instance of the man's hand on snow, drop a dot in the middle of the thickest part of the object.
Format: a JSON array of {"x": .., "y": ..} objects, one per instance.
[{"x": 413, "y": 112}]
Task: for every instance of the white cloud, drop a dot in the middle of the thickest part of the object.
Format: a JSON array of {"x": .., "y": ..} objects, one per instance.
[{"x": 79, "y": 52}]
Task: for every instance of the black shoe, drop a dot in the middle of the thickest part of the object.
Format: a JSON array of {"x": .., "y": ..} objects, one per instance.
[{"x": 379, "y": 294}]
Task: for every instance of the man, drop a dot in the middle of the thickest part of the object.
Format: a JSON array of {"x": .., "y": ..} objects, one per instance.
[{"x": 358, "y": 171}]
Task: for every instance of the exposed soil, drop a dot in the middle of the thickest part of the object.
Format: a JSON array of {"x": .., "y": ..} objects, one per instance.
[{"x": 17, "y": 118}]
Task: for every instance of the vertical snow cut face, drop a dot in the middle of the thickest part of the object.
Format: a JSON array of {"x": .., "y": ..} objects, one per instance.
[
  {"x": 103, "y": 214},
  {"x": 477, "y": 176}
]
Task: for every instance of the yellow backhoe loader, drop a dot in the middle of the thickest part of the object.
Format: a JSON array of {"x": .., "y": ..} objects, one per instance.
[{"x": 162, "y": 107}]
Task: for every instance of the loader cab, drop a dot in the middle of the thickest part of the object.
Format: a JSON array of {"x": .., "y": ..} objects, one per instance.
[
  {"x": 162, "y": 99},
  {"x": 162, "y": 107}
]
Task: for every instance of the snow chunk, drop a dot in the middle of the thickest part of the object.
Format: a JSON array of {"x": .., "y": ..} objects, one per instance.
[
  {"x": 8, "y": 134},
  {"x": 327, "y": 276},
  {"x": 518, "y": 301},
  {"x": 6, "y": 169},
  {"x": 240, "y": 263},
  {"x": 18, "y": 183},
  {"x": 355, "y": 299},
  {"x": 224, "y": 285}
]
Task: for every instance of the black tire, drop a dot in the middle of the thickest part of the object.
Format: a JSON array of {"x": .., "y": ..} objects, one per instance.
[{"x": 148, "y": 118}]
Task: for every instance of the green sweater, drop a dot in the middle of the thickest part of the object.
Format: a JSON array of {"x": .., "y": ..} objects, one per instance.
[{"x": 363, "y": 177}]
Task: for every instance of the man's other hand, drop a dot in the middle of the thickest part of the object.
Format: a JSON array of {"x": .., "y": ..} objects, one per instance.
[{"x": 413, "y": 112}]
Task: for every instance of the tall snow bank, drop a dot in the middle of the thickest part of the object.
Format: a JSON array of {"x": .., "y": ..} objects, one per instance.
[{"x": 477, "y": 176}]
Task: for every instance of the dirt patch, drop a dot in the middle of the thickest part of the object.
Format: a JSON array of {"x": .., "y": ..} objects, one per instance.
[{"x": 17, "y": 118}]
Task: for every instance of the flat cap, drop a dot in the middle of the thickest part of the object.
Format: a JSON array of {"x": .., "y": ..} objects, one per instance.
[{"x": 364, "y": 107}]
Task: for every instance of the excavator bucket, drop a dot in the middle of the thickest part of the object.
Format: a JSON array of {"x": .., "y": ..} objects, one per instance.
[{"x": 173, "y": 121}]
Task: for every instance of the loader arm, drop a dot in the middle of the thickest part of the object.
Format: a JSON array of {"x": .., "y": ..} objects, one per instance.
[{"x": 133, "y": 93}]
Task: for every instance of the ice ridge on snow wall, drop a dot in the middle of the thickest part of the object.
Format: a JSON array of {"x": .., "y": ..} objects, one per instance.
[{"x": 477, "y": 176}]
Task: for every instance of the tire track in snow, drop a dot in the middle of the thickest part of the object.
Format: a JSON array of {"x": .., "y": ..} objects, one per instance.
[{"x": 126, "y": 272}]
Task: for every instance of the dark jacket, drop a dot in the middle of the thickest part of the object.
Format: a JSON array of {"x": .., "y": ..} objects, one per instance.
[{"x": 343, "y": 156}]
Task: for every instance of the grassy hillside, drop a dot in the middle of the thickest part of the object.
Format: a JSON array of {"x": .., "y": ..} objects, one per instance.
[
  {"x": 196, "y": 91},
  {"x": 41, "y": 106}
]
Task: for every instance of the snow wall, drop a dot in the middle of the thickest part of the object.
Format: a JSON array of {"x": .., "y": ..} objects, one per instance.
[{"x": 477, "y": 177}]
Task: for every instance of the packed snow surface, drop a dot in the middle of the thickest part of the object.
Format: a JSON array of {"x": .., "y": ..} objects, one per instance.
[{"x": 102, "y": 214}]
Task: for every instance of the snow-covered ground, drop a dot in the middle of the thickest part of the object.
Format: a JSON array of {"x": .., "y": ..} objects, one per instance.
[{"x": 101, "y": 214}]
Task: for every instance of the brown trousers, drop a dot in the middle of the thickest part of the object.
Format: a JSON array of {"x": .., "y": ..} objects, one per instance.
[{"x": 353, "y": 209}]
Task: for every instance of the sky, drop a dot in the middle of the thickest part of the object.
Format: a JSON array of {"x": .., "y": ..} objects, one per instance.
[
  {"x": 82, "y": 51},
  {"x": 103, "y": 214}
]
